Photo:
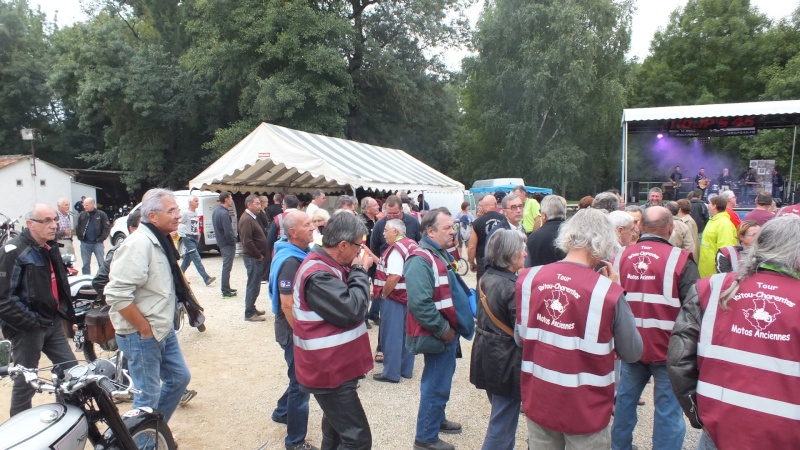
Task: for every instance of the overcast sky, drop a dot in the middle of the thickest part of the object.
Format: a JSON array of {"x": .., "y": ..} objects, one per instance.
[{"x": 650, "y": 15}]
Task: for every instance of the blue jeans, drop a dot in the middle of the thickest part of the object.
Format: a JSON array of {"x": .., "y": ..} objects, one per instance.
[
  {"x": 705, "y": 442},
  {"x": 502, "y": 431},
  {"x": 254, "y": 268},
  {"x": 157, "y": 369},
  {"x": 397, "y": 360},
  {"x": 669, "y": 428},
  {"x": 87, "y": 249},
  {"x": 437, "y": 377},
  {"x": 293, "y": 404},
  {"x": 228, "y": 252},
  {"x": 191, "y": 255}
]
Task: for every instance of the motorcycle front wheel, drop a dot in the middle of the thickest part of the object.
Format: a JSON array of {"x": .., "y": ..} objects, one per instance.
[{"x": 153, "y": 434}]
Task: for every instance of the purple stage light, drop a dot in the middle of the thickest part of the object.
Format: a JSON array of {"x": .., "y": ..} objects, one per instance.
[{"x": 660, "y": 135}]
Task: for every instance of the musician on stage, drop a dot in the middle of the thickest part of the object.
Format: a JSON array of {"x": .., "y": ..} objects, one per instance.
[
  {"x": 725, "y": 180},
  {"x": 676, "y": 178},
  {"x": 700, "y": 181}
]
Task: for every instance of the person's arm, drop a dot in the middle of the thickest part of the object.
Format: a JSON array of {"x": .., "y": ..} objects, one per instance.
[
  {"x": 129, "y": 272},
  {"x": 688, "y": 279},
  {"x": 343, "y": 305},
  {"x": 287, "y": 302},
  {"x": 62, "y": 233},
  {"x": 286, "y": 287},
  {"x": 106, "y": 226},
  {"x": 419, "y": 288},
  {"x": 627, "y": 340},
  {"x": 682, "y": 356},
  {"x": 13, "y": 312},
  {"x": 394, "y": 270},
  {"x": 272, "y": 236},
  {"x": 472, "y": 251},
  {"x": 227, "y": 225},
  {"x": 247, "y": 228}
]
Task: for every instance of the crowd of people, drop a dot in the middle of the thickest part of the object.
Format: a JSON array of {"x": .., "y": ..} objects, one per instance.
[{"x": 573, "y": 315}]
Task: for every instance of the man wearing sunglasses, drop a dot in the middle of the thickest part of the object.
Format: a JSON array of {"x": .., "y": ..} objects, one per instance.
[{"x": 34, "y": 297}]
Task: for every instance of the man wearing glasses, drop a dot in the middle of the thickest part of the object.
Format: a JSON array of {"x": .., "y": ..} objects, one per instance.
[
  {"x": 34, "y": 297},
  {"x": 142, "y": 292},
  {"x": 512, "y": 210}
]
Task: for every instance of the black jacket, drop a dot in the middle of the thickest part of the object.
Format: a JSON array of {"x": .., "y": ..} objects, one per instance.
[
  {"x": 682, "y": 356},
  {"x": 26, "y": 296},
  {"x": 699, "y": 214},
  {"x": 496, "y": 358},
  {"x": 223, "y": 226},
  {"x": 377, "y": 243},
  {"x": 542, "y": 245},
  {"x": 102, "y": 225}
]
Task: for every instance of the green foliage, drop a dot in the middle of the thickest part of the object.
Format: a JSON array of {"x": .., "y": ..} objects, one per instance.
[{"x": 543, "y": 97}]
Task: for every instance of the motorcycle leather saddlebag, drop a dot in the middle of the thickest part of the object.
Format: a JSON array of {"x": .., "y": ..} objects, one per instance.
[{"x": 98, "y": 326}]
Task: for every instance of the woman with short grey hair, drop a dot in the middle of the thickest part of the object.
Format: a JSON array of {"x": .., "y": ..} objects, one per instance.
[{"x": 496, "y": 358}]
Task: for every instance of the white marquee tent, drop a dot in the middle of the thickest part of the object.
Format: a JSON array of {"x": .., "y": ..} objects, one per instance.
[{"x": 274, "y": 158}]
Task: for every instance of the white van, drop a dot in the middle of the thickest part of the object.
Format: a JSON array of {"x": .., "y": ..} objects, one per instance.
[{"x": 208, "y": 203}]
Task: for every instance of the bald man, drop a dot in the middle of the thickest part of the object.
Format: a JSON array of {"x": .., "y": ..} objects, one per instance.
[
  {"x": 34, "y": 297},
  {"x": 656, "y": 277},
  {"x": 480, "y": 232}
]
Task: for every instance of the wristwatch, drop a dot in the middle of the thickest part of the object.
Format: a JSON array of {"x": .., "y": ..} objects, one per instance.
[{"x": 357, "y": 266}]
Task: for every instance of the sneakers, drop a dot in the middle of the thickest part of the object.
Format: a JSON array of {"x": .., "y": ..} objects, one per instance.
[
  {"x": 210, "y": 280},
  {"x": 230, "y": 294},
  {"x": 304, "y": 446},
  {"x": 438, "y": 445},
  {"x": 255, "y": 318},
  {"x": 448, "y": 427},
  {"x": 188, "y": 394}
]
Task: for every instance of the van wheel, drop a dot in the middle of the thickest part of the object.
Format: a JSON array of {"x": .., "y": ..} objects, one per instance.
[{"x": 119, "y": 237}]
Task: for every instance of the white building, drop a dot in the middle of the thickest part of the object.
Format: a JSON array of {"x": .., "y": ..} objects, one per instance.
[{"x": 25, "y": 181}]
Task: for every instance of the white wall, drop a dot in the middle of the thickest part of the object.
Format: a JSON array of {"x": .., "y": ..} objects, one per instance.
[{"x": 15, "y": 200}]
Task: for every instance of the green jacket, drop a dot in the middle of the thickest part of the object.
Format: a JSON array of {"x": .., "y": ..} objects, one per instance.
[
  {"x": 719, "y": 232},
  {"x": 419, "y": 288}
]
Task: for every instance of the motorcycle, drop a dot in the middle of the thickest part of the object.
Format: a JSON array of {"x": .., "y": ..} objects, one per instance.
[
  {"x": 91, "y": 329},
  {"x": 84, "y": 397}
]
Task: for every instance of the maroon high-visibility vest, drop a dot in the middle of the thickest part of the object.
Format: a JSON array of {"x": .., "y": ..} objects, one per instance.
[
  {"x": 650, "y": 271},
  {"x": 325, "y": 356},
  {"x": 404, "y": 246},
  {"x": 732, "y": 254},
  {"x": 442, "y": 298},
  {"x": 565, "y": 317},
  {"x": 748, "y": 391}
]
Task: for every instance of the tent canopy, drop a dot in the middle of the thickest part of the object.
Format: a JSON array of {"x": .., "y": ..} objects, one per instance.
[
  {"x": 509, "y": 188},
  {"x": 286, "y": 160},
  {"x": 726, "y": 119}
]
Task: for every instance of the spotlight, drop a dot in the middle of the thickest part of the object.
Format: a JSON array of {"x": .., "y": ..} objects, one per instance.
[{"x": 660, "y": 135}]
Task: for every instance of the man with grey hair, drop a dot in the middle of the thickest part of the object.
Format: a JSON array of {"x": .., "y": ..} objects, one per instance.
[
  {"x": 730, "y": 198},
  {"x": 541, "y": 243},
  {"x": 189, "y": 232},
  {"x": 254, "y": 251},
  {"x": 657, "y": 277},
  {"x": 144, "y": 285},
  {"x": 34, "y": 298},
  {"x": 568, "y": 395},
  {"x": 654, "y": 197},
  {"x": 64, "y": 231},
  {"x": 347, "y": 203},
  {"x": 331, "y": 344},
  {"x": 607, "y": 201},
  {"x": 438, "y": 312},
  {"x": 513, "y": 209},
  {"x": 623, "y": 223},
  {"x": 318, "y": 199},
  {"x": 92, "y": 229}
]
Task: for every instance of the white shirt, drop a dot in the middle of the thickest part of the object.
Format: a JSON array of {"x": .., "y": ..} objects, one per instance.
[
  {"x": 394, "y": 265},
  {"x": 311, "y": 208}
]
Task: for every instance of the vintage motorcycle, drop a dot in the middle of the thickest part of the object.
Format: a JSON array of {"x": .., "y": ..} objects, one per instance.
[{"x": 84, "y": 398}]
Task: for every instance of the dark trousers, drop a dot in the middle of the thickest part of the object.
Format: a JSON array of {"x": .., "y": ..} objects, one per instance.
[
  {"x": 254, "y": 269},
  {"x": 293, "y": 404},
  {"x": 228, "y": 252},
  {"x": 26, "y": 348},
  {"x": 344, "y": 423}
]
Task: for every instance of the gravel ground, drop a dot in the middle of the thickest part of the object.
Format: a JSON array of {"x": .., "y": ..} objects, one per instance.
[{"x": 239, "y": 373}]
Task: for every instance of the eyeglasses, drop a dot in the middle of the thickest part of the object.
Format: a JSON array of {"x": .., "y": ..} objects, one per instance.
[
  {"x": 515, "y": 207},
  {"x": 46, "y": 220},
  {"x": 357, "y": 244}
]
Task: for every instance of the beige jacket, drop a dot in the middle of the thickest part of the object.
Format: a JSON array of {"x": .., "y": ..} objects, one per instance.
[
  {"x": 140, "y": 274},
  {"x": 683, "y": 238}
]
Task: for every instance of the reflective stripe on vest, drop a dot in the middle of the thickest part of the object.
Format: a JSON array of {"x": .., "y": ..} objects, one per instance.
[
  {"x": 707, "y": 349},
  {"x": 331, "y": 341},
  {"x": 383, "y": 283},
  {"x": 666, "y": 297},
  {"x": 589, "y": 343}
]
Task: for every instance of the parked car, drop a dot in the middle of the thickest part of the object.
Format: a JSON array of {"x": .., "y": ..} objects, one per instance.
[{"x": 208, "y": 202}]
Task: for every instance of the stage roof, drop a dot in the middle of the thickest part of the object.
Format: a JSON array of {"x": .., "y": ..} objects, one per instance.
[{"x": 780, "y": 114}]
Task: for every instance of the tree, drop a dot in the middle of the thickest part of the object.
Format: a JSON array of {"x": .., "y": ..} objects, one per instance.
[{"x": 543, "y": 96}]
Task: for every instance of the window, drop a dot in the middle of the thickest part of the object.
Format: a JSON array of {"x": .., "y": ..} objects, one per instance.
[
  {"x": 42, "y": 182},
  {"x": 19, "y": 182}
]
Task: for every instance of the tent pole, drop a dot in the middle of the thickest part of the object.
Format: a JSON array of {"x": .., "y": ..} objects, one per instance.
[
  {"x": 624, "y": 169},
  {"x": 791, "y": 166}
]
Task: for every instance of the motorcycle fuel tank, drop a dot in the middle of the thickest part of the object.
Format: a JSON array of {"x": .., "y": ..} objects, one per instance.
[{"x": 48, "y": 426}]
